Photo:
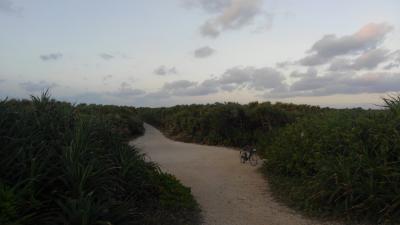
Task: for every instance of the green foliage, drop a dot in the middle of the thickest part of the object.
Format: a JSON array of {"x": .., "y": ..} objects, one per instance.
[
  {"x": 177, "y": 199},
  {"x": 328, "y": 162},
  {"x": 125, "y": 120},
  {"x": 342, "y": 162},
  {"x": 393, "y": 104},
  {"x": 228, "y": 124},
  {"x": 173, "y": 195},
  {"x": 65, "y": 164}
]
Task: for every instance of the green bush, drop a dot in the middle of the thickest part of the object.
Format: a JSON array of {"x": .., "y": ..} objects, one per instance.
[
  {"x": 228, "y": 124},
  {"x": 343, "y": 162},
  {"x": 124, "y": 119},
  {"x": 65, "y": 164}
]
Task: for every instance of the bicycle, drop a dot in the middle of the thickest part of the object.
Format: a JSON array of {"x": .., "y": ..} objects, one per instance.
[{"x": 250, "y": 156}]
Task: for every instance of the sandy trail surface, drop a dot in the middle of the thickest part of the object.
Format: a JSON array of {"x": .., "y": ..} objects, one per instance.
[{"x": 229, "y": 193}]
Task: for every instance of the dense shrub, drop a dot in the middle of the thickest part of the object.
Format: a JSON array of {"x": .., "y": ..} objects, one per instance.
[
  {"x": 62, "y": 164},
  {"x": 229, "y": 124},
  {"x": 342, "y": 162},
  {"x": 125, "y": 120}
]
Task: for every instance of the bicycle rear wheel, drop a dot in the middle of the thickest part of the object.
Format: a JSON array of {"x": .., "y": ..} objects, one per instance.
[{"x": 253, "y": 160}]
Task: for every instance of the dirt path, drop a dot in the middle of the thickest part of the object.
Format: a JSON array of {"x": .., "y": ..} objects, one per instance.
[{"x": 229, "y": 193}]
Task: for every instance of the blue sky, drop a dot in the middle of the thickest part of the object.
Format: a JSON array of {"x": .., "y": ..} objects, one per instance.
[{"x": 152, "y": 53}]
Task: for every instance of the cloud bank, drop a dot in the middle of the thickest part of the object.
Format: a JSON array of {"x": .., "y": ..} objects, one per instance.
[
  {"x": 236, "y": 78},
  {"x": 352, "y": 64},
  {"x": 330, "y": 46},
  {"x": 349, "y": 64}
]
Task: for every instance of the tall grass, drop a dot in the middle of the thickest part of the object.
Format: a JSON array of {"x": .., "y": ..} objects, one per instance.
[
  {"x": 344, "y": 163},
  {"x": 60, "y": 165}
]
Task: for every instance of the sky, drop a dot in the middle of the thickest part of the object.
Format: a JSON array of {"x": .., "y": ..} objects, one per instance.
[{"x": 167, "y": 52}]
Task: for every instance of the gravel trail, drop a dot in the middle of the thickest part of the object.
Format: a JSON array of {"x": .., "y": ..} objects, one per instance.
[{"x": 229, "y": 193}]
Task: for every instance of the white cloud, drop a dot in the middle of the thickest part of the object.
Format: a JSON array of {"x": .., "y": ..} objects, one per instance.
[
  {"x": 367, "y": 60},
  {"x": 330, "y": 46},
  {"x": 204, "y": 52},
  {"x": 189, "y": 88},
  {"x": 51, "y": 57},
  {"x": 267, "y": 78},
  {"x": 284, "y": 64},
  {"x": 7, "y": 6},
  {"x": 163, "y": 70},
  {"x": 180, "y": 84},
  {"x": 229, "y": 14},
  {"x": 235, "y": 78},
  {"x": 341, "y": 83},
  {"x": 370, "y": 59},
  {"x": 126, "y": 90},
  {"x": 106, "y": 56},
  {"x": 395, "y": 61}
]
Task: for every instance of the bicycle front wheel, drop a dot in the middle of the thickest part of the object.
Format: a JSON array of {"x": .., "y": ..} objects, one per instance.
[{"x": 253, "y": 160}]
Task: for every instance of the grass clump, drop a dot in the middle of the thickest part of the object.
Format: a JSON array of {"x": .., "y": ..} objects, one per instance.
[{"x": 65, "y": 164}]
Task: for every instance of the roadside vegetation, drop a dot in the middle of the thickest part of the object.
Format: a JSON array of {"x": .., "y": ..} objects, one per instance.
[
  {"x": 228, "y": 124},
  {"x": 65, "y": 164},
  {"x": 327, "y": 162}
]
